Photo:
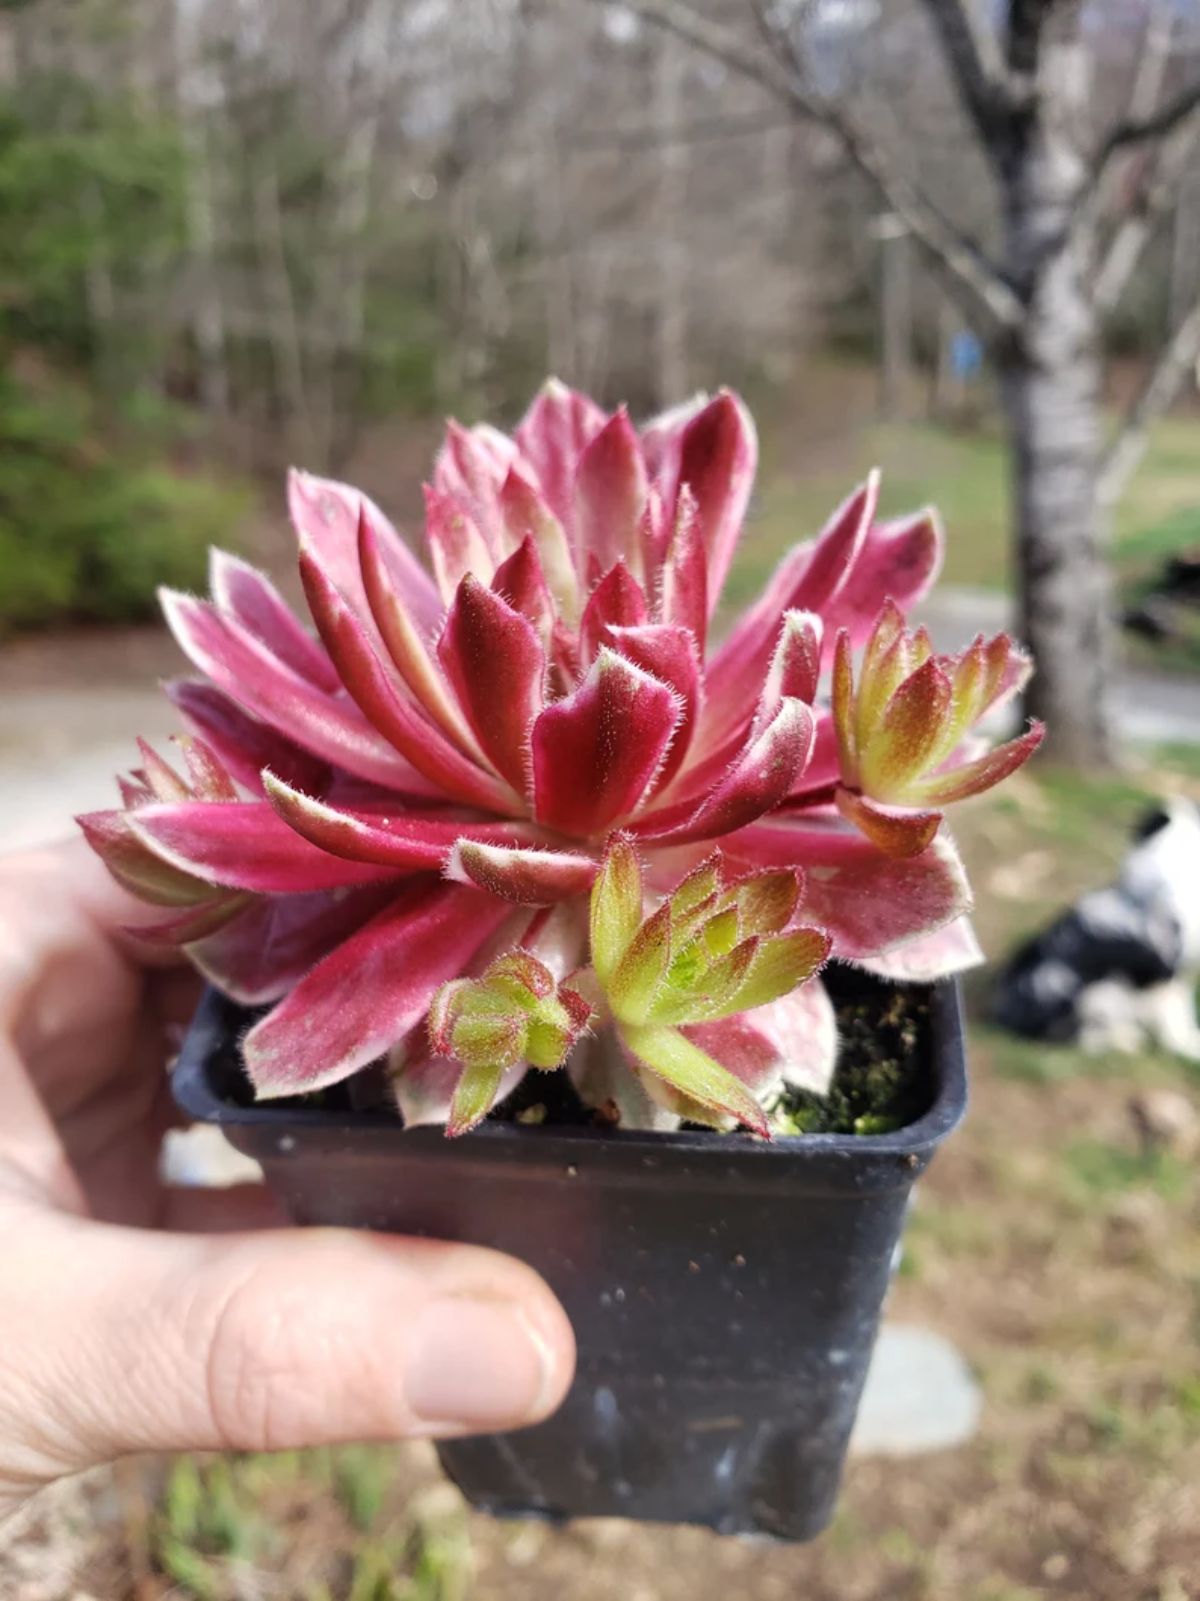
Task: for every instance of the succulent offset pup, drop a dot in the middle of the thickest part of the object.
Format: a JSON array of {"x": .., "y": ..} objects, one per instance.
[{"x": 516, "y": 814}]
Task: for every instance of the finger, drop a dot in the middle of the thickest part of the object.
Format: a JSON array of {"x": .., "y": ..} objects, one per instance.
[
  {"x": 262, "y": 1342},
  {"x": 174, "y": 995},
  {"x": 237, "y": 1207},
  {"x": 32, "y": 1157}
]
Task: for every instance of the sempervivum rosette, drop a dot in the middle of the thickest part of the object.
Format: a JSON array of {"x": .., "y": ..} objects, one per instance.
[{"x": 422, "y": 792}]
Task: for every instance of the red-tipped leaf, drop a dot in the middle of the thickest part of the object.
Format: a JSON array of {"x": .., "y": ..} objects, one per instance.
[
  {"x": 370, "y": 991},
  {"x": 495, "y": 661},
  {"x": 596, "y": 752}
]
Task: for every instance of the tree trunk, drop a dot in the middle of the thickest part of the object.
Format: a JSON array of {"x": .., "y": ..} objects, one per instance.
[
  {"x": 1051, "y": 383},
  {"x": 1051, "y": 391}
]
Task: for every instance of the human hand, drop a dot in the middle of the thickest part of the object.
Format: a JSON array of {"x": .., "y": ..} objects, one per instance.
[{"x": 134, "y": 1316}]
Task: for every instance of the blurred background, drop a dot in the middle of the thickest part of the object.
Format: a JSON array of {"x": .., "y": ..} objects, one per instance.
[{"x": 959, "y": 239}]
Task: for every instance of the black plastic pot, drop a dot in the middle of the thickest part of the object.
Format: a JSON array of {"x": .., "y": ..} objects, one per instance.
[{"x": 725, "y": 1293}]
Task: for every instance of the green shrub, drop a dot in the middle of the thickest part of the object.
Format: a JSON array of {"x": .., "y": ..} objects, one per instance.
[{"x": 87, "y": 532}]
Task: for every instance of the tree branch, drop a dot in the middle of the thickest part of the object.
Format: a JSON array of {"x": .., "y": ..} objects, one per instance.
[
  {"x": 1023, "y": 39},
  {"x": 1136, "y": 130},
  {"x": 985, "y": 99},
  {"x": 1154, "y": 197},
  {"x": 961, "y": 262},
  {"x": 1177, "y": 358}
]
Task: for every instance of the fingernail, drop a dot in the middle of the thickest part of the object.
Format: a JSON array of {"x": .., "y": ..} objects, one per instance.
[{"x": 476, "y": 1366}]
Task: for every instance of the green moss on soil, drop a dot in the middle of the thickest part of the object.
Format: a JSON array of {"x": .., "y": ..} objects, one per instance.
[{"x": 878, "y": 1084}]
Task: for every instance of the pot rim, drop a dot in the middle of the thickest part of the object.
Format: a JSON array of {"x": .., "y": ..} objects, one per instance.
[{"x": 194, "y": 1094}]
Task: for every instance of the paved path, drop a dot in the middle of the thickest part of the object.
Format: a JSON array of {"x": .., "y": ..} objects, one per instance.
[
  {"x": 70, "y": 711},
  {"x": 70, "y": 708},
  {"x": 1154, "y": 708}
]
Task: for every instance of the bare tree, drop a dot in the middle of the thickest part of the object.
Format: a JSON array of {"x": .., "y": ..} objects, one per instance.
[{"x": 1077, "y": 206}]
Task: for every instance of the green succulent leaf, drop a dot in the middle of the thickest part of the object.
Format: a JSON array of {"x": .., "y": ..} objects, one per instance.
[
  {"x": 672, "y": 1057},
  {"x": 639, "y": 975},
  {"x": 474, "y": 1096},
  {"x": 616, "y": 906},
  {"x": 777, "y": 966}
]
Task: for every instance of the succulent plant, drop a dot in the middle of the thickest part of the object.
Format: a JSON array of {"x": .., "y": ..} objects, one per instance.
[{"x": 517, "y": 811}]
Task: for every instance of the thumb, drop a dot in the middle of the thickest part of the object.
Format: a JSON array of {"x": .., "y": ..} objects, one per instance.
[{"x": 118, "y": 1340}]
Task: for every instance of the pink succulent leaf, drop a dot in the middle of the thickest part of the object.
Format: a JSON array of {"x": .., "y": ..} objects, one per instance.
[
  {"x": 683, "y": 589},
  {"x": 528, "y": 876},
  {"x": 137, "y": 868},
  {"x": 795, "y": 669},
  {"x": 669, "y": 653},
  {"x": 552, "y": 436},
  {"x": 929, "y": 957},
  {"x": 899, "y": 559},
  {"x": 163, "y": 782},
  {"x": 610, "y": 494},
  {"x": 194, "y": 923},
  {"x": 718, "y": 457},
  {"x": 813, "y": 577},
  {"x": 208, "y": 777},
  {"x": 984, "y": 772},
  {"x": 407, "y": 842},
  {"x": 557, "y": 936},
  {"x": 423, "y": 1083},
  {"x": 520, "y": 582},
  {"x": 456, "y": 547},
  {"x": 494, "y": 660},
  {"x": 616, "y": 602},
  {"x": 596, "y": 752},
  {"x": 824, "y": 770},
  {"x": 244, "y": 744},
  {"x": 868, "y": 902},
  {"x": 662, "y": 439},
  {"x": 133, "y": 792},
  {"x": 896, "y": 830},
  {"x": 270, "y": 945},
  {"x": 404, "y": 640},
  {"x": 742, "y": 1049},
  {"x": 326, "y": 514},
  {"x": 241, "y": 667},
  {"x": 803, "y": 1029},
  {"x": 792, "y": 1040},
  {"x": 422, "y": 745},
  {"x": 761, "y": 778},
  {"x": 250, "y": 598},
  {"x": 370, "y": 990},
  {"x": 527, "y": 516},
  {"x": 689, "y": 1070},
  {"x": 244, "y": 845},
  {"x": 470, "y": 470},
  {"x": 807, "y": 579}
]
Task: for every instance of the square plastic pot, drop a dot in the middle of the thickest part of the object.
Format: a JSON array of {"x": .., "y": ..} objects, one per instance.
[{"x": 725, "y": 1292}]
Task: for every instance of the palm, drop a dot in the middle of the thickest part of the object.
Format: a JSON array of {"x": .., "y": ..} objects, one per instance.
[{"x": 93, "y": 1029}]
